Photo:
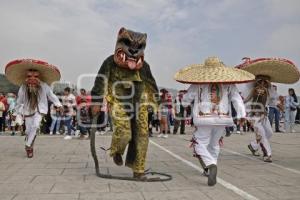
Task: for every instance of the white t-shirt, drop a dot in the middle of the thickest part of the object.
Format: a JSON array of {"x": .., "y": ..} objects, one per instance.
[{"x": 68, "y": 103}]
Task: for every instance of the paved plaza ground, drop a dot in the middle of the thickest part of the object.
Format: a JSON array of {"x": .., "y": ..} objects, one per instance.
[{"x": 64, "y": 170}]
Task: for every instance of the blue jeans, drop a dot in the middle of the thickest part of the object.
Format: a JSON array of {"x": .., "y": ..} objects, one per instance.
[
  {"x": 83, "y": 129},
  {"x": 68, "y": 123},
  {"x": 274, "y": 112},
  {"x": 55, "y": 123}
]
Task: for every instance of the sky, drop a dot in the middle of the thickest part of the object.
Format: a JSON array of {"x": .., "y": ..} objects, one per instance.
[{"x": 78, "y": 35}]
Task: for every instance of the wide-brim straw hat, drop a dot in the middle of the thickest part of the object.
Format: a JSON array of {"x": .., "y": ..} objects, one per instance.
[
  {"x": 16, "y": 70},
  {"x": 212, "y": 71},
  {"x": 277, "y": 69}
]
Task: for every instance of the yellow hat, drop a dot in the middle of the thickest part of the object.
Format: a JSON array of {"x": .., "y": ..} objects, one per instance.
[
  {"x": 277, "y": 69},
  {"x": 212, "y": 71}
]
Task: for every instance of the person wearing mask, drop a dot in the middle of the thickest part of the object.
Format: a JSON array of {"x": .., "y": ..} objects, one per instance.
[
  {"x": 266, "y": 71},
  {"x": 212, "y": 89},
  {"x": 34, "y": 78}
]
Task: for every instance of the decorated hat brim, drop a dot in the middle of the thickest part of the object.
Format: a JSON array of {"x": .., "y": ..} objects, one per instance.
[
  {"x": 278, "y": 70},
  {"x": 201, "y": 74},
  {"x": 15, "y": 71}
]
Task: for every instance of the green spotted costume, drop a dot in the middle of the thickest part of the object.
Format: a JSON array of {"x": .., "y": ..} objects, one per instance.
[{"x": 126, "y": 82}]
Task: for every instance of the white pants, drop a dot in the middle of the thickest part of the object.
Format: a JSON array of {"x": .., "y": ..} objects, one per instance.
[
  {"x": 289, "y": 120},
  {"x": 264, "y": 130},
  {"x": 207, "y": 143},
  {"x": 32, "y": 124}
]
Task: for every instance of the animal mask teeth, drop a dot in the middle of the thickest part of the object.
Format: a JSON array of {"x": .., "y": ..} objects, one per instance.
[
  {"x": 139, "y": 61},
  {"x": 124, "y": 56}
]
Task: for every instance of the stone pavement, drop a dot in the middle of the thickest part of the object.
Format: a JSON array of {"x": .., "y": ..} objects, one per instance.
[{"x": 64, "y": 170}]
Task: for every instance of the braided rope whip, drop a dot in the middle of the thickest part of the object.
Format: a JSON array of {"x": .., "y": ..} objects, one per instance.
[{"x": 161, "y": 177}]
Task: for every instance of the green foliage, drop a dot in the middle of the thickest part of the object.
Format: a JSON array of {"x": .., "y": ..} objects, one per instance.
[{"x": 6, "y": 86}]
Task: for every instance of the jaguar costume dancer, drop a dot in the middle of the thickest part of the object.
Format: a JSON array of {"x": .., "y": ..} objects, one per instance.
[
  {"x": 34, "y": 78},
  {"x": 266, "y": 70},
  {"x": 212, "y": 90},
  {"x": 126, "y": 82}
]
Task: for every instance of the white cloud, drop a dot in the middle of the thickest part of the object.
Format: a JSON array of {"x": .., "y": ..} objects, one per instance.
[
  {"x": 283, "y": 9},
  {"x": 78, "y": 35}
]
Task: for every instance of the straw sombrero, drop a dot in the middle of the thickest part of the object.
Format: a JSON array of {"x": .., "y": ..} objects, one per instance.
[
  {"x": 279, "y": 70},
  {"x": 212, "y": 71},
  {"x": 15, "y": 71}
]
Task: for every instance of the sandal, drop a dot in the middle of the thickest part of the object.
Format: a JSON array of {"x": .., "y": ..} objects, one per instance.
[{"x": 29, "y": 151}]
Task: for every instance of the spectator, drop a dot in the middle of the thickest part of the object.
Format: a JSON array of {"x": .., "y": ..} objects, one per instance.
[
  {"x": 68, "y": 102},
  {"x": 83, "y": 120},
  {"x": 163, "y": 114},
  {"x": 179, "y": 113},
  {"x": 273, "y": 107},
  {"x": 281, "y": 108},
  {"x": 55, "y": 114},
  {"x": 83, "y": 97},
  {"x": 170, "y": 119},
  {"x": 2, "y": 119},
  {"x": 291, "y": 104},
  {"x": 4, "y": 112},
  {"x": 11, "y": 100},
  {"x": 102, "y": 119},
  {"x": 156, "y": 123}
]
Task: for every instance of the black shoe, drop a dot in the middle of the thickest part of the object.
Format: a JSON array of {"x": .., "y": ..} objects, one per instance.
[
  {"x": 278, "y": 131},
  {"x": 118, "y": 159},
  {"x": 212, "y": 176},
  {"x": 182, "y": 133},
  {"x": 228, "y": 133},
  {"x": 254, "y": 152},
  {"x": 205, "y": 172}
]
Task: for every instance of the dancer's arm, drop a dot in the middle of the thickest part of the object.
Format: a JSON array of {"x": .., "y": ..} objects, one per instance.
[
  {"x": 237, "y": 101},
  {"x": 20, "y": 101},
  {"x": 190, "y": 96},
  {"x": 51, "y": 96}
]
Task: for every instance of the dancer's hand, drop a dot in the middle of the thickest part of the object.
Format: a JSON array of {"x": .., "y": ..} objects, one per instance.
[
  {"x": 221, "y": 143},
  {"x": 242, "y": 121},
  {"x": 61, "y": 109}
]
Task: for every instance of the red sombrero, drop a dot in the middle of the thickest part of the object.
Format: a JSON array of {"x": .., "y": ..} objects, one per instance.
[
  {"x": 15, "y": 71},
  {"x": 279, "y": 70}
]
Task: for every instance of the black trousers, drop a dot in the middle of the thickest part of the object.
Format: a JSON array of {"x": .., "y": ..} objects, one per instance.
[
  {"x": 2, "y": 124},
  {"x": 178, "y": 122}
]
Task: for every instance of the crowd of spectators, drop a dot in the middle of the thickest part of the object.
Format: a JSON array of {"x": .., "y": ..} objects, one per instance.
[{"x": 74, "y": 118}]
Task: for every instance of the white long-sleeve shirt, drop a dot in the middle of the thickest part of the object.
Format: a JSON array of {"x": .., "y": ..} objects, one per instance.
[
  {"x": 45, "y": 94},
  {"x": 229, "y": 94},
  {"x": 290, "y": 102}
]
